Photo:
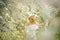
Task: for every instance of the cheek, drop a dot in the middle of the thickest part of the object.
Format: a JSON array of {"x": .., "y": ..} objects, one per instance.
[{"x": 30, "y": 20}]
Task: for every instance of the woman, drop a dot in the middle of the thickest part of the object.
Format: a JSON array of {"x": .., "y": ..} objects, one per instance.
[{"x": 31, "y": 28}]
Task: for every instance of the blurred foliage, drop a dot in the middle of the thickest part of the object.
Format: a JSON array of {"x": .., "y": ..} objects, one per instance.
[
  {"x": 58, "y": 14},
  {"x": 13, "y": 17}
]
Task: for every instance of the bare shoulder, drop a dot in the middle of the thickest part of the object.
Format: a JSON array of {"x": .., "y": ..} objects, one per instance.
[{"x": 37, "y": 23}]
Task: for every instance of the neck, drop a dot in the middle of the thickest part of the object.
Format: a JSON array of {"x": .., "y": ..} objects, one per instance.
[{"x": 32, "y": 22}]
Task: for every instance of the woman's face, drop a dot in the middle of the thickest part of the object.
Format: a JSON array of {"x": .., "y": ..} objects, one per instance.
[{"x": 31, "y": 19}]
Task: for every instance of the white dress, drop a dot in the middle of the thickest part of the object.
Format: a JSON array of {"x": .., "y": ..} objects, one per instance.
[{"x": 31, "y": 34}]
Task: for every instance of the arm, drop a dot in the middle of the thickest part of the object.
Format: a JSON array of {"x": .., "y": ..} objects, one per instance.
[
  {"x": 46, "y": 23},
  {"x": 26, "y": 28}
]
